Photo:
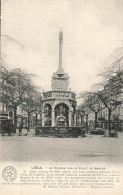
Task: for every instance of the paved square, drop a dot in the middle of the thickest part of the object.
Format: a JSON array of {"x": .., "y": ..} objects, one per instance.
[{"x": 87, "y": 149}]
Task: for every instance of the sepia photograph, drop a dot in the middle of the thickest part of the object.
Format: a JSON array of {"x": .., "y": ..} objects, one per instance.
[{"x": 61, "y": 109}]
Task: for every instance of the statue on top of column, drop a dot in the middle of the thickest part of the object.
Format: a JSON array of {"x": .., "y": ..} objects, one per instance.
[{"x": 61, "y": 37}]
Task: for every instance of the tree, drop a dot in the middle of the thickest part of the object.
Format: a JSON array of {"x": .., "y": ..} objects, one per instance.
[
  {"x": 85, "y": 110},
  {"x": 32, "y": 103},
  {"x": 113, "y": 65},
  {"x": 92, "y": 101},
  {"x": 111, "y": 96},
  {"x": 110, "y": 91},
  {"x": 95, "y": 105},
  {"x": 15, "y": 84}
]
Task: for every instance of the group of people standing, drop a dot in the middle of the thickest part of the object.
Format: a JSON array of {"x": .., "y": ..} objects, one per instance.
[
  {"x": 9, "y": 127},
  {"x": 20, "y": 129}
]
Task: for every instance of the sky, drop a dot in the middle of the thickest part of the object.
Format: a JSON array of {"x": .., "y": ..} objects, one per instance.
[{"x": 92, "y": 30}]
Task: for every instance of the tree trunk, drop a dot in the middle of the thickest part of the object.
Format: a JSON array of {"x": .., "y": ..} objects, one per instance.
[
  {"x": 15, "y": 118},
  {"x": 22, "y": 121},
  {"x": 95, "y": 119},
  {"x": 28, "y": 121},
  {"x": 86, "y": 123},
  {"x": 36, "y": 119},
  {"x": 109, "y": 120}
]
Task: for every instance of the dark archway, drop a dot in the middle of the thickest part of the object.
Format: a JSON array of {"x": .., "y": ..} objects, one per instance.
[{"x": 61, "y": 114}]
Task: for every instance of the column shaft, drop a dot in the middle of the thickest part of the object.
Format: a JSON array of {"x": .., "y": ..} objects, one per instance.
[
  {"x": 60, "y": 55},
  {"x": 43, "y": 119},
  {"x": 70, "y": 118},
  {"x": 53, "y": 118},
  {"x": 75, "y": 119}
]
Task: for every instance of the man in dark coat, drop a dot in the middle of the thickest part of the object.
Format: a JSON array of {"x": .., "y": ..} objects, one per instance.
[
  {"x": 3, "y": 127},
  {"x": 20, "y": 129},
  {"x": 10, "y": 127}
]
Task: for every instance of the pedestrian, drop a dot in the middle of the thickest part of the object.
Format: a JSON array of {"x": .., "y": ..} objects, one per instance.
[
  {"x": 3, "y": 127},
  {"x": 10, "y": 127},
  {"x": 26, "y": 130},
  {"x": 14, "y": 129},
  {"x": 20, "y": 129}
]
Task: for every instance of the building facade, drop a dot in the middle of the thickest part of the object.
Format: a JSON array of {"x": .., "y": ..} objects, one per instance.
[{"x": 116, "y": 118}]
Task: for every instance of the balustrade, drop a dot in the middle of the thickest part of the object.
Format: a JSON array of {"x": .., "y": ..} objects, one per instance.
[{"x": 60, "y": 94}]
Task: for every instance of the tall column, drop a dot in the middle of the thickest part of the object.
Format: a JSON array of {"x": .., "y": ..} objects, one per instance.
[
  {"x": 74, "y": 119},
  {"x": 53, "y": 118},
  {"x": 43, "y": 118},
  {"x": 70, "y": 118},
  {"x": 60, "y": 48}
]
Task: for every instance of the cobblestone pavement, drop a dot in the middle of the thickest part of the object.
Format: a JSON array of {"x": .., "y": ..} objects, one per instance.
[{"x": 87, "y": 149}]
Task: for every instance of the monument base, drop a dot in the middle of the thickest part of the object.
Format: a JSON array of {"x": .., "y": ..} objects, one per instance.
[{"x": 61, "y": 131}]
